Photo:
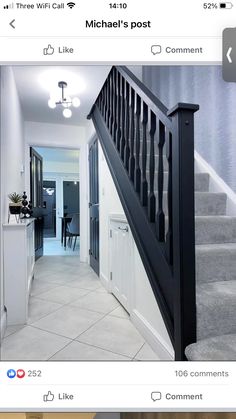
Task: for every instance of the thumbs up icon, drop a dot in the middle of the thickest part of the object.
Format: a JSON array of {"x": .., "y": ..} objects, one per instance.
[
  {"x": 49, "y": 50},
  {"x": 48, "y": 397}
]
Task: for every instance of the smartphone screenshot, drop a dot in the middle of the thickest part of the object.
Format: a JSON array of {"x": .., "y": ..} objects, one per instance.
[{"x": 118, "y": 209}]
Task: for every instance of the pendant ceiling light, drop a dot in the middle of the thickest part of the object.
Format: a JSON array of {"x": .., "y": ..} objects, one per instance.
[{"x": 65, "y": 102}]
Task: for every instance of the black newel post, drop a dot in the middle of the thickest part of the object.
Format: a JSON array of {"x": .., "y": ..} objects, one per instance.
[{"x": 183, "y": 226}]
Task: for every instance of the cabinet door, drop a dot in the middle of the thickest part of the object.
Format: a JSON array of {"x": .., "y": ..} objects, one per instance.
[{"x": 121, "y": 263}]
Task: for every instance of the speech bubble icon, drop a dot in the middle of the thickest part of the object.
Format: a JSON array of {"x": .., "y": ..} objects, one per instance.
[
  {"x": 156, "y": 395},
  {"x": 156, "y": 49}
]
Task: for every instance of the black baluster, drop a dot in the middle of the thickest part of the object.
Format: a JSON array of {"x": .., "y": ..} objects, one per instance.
[
  {"x": 132, "y": 158},
  {"x": 114, "y": 122},
  {"x": 151, "y": 197},
  {"x": 144, "y": 184},
  {"x": 122, "y": 146},
  {"x": 107, "y": 101},
  {"x": 127, "y": 122},
  {"x": 103, "y": 101},
  {"x": 169, "y": 235},
  {"x": 160, "y": 217},
  {"x": 137, "y": 175},
  {"x": 111, "y": 103},
  {"x": 119, "y": 104}
]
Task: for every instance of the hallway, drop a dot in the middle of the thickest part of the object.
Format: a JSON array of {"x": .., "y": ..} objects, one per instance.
[{"x": 73, "y": 317}]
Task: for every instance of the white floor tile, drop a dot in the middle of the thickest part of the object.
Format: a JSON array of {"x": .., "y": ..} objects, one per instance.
[
  {"x": 68, "y": 321},
  {"x": 30, "y": 344},
  {"x": 40, "y": 308},
  {"x": 12, "y": 329},
  {"x": 119, "y": 312},
  {"x": 99, "y": 302},
  {"x": 146, "y": 353},
  {"x": 87, "y": 284},
  {"x": 63, "y": 294},
  {"x": 38, "y": 287},
  {"x": 77, "y": 351},
  {"x": 54, "y": 247},
  {"x": 69, "y": 302},
  {"x": 114, "y": 334}
]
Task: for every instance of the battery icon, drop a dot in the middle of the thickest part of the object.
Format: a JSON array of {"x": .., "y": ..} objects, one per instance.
[{"x": 226, "y": 5}]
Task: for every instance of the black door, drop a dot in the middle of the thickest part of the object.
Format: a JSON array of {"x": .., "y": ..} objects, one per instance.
[
  {"x": 94, "y": 206},
  {"x": 36, "y": 197}
]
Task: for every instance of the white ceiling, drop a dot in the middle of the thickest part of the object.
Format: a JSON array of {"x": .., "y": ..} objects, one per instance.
[
  {"x": 34, "y": 82},
  {"x": 61, "y": 155}
]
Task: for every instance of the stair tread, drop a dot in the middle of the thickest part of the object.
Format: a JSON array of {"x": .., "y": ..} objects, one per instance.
[
  {"x": 216, "y": 308},
  {"x": 217, "y": 348}
]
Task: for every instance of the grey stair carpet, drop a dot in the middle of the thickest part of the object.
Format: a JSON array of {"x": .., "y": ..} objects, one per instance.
[
  {"x": 217, "y": 348},
  {"x": 216, "y": 309},
  {"x": 206, "y": 203},
  {"x": 215, "y": 262},
  {"x": 215, "y": 236},
  {"x": 201, "y": 181},
  {"x": 215, "y": 230}
]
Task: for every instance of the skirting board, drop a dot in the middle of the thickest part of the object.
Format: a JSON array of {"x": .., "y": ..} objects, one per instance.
[
  {"x": 152, "y": 337},
  {"x": 105, "y": 282},
  {"x": 3, "y": 324}
]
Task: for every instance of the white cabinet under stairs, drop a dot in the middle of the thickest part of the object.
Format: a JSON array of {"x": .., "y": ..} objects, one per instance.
[
  {"x": 121, "y": 260},
  {"x": 18, "y": 265}
]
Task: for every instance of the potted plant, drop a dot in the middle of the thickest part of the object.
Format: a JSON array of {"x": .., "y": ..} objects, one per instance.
[{"x": 15, "y": 203}]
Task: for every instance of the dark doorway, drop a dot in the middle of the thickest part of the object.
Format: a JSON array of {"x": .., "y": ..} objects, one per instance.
[
  {"x": 94, "y": 206},
  {"x": 49, "y": 203},
  {"x": 36, "y": 197},
  {"x": 70, "y": 197}
]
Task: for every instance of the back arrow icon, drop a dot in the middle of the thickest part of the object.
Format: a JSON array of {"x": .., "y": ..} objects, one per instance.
[
  {"x": 12, "y": 24},
  {"x": 228, "y": 55}
]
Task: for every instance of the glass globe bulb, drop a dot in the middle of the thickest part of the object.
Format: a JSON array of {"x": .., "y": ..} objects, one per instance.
[
  {"x": 67, "y": 113},
  {"x": 51, "y": 104},
  {"x": 76, "y": 102}
]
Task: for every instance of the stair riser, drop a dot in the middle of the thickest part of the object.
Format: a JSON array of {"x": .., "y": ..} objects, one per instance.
[
  {"x": 201, "y": 181},
  {"x": 215, "y": 265},
  {"x": 205, "y": 203},
  {"x": 215, "y": 230}
]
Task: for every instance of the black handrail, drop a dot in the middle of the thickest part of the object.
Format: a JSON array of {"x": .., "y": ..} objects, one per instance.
[{"x": 136, "y": 130}]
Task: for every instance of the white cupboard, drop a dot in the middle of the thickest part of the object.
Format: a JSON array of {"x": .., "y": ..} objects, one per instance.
[
  {"x": 18, "y": 265},
  {"x": 121, "y": 260}
]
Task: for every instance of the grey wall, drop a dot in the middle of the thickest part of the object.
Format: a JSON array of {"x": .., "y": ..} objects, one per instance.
[{"x": 215, "y": 122}]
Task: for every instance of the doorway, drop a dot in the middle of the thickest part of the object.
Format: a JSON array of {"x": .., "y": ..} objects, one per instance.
[
  {"x": 60, "y": 199},
  {"x": 49, "y": 204}
]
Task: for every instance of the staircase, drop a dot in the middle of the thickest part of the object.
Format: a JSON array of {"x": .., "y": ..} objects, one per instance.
[
  {"x": 150, "y": 152},
  {"x": 215, "y": 283}
]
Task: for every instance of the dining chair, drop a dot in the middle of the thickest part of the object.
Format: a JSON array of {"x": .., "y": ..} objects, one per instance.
[{"x": 73, "y": 229}]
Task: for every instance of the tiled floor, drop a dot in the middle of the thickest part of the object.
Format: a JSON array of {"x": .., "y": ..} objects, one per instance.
[
  {"x": 52, "y": 247},
  {"x": 73, "y": 317}
]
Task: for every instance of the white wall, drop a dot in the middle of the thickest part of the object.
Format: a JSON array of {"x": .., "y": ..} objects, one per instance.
[
  {"x": 12, "y": 149},
  {"x": 60, "y": 167},
  {"x": 55, "y": 135},
  {"x": 144, "y": 311}
]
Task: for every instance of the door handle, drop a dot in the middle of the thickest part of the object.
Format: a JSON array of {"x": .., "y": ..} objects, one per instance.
[{"x": 124, "y": 229}]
